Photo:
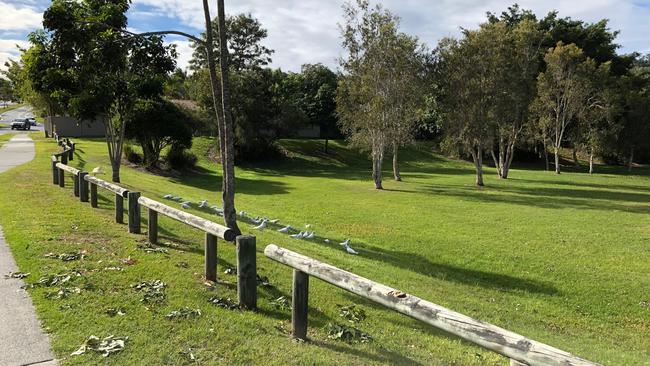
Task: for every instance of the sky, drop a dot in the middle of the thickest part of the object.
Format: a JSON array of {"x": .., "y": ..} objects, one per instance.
[{"x": 307, "y": 31}]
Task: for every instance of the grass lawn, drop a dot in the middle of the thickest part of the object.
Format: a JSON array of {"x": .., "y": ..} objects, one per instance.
[
  {"x": 5, "y": 137},
  {"x": 563, "y": 259},
  {"x": 9, "y": 108}
]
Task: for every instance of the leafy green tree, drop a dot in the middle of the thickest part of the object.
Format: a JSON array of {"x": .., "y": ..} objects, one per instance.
[
  {"x": 635, "y": 92},
  {"x": 132, "y": 68},
  {"x": 245, "y": 46},
  {"x": 156, "y": 124},
  {"x": 376, "y": 99},
  {"x": 314, "y": 92},
  {"x": 563, "y": 92}
]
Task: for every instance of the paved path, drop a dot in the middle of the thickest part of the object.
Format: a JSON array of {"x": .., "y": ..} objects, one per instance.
[{"x": 22, "y": 341}]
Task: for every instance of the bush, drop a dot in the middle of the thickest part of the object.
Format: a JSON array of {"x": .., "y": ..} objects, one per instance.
[
  {"x": 131, "y": 155},
  {"x": 179, "y": 158}
]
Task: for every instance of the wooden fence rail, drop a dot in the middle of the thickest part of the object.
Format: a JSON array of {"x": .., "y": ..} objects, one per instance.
[
  {"x": 520, "y": 350},
  {"x": 246, "y": 245}
]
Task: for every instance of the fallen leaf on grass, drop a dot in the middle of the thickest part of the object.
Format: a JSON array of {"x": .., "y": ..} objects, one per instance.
[
  {"x": 148, "y": 248},
  {"x": 129, "y": 261},
  {"x": 263, "y": 280},
  {"x": 106, "y": 346},
  {"x": 53, "y": 280},
  {"x": 16, "y": 275},
  {"x": 351, "y": 313},
  {"x": 184, "y": 313},
  {"x": 115, "y": 311},
  {"x": 153, "y": 291},
  {"x": 281, "y": 303},
  {"x": 340, "y": 332},
  {"x": 223, "y": 302},
  {"x": 66, "y": 257},
  {"x": 64, "y": 292}
]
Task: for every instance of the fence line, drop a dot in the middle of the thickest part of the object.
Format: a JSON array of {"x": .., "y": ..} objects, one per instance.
[
  {"x": 519, "y": 349},
  {"x": 245, "y": 245}
]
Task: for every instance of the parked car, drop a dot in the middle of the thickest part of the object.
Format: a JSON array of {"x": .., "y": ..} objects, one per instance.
[{"x": 21, "y": 124}]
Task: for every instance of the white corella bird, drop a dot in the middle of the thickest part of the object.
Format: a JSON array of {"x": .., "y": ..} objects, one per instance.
[
  {"x": 168, "y": 196},
  {"x": 345, "y": 243},
  {"x": 98, "y": 170},
  {"x": 261, "y": 226},
  {"x": 185, "y": 205},
  {"x": 297, "y": 236},
  {"x": 350, "y": 250},
  {"x": 274, "y": 221},
  {"x": 285, "y": 229},
  {"x": 203, "y": 203},
  {"x": 327, "y": 241},
  {"x": 310, "y": 235}
]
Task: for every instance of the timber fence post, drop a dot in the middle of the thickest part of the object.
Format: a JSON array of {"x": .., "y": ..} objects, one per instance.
[
  {"x": 134, "y": 212},
  {"x": 93, "y": 195},
  {"x": 119, "y": 208},
  {"x": 246, "y": 271},
  {"x": 83, "y": 187},
  {"x": 152, "y": 226},
  {"x": 299, "y": 304},
  {"x": 210, "y": 257},
  {"x": 55, "y": 172},
  {"x": 76, "y": 185}
]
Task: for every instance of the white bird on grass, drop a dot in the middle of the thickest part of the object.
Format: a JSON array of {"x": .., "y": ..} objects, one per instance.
[
  {"x": 261, "y": 226},
  {"x": 308, "y": 226},
  {"x": 168, "y": 196},
  {"x": 297, "y": 236},
  {"x": 274, "y": 221},
  {"x": 185, "y": 205},
  {"x": 177, "y": 198},
  {"x": 98, "y": 170},
  {"x": 327, "y": 241},
  {"x": 310, "y": 235},
  {"x": 350, "y": 250},
  {"x": 285, "y": 229},
  {"x": 203, "y": 203},
  {"x": 256, "y": 220},
  {"x": 345, "y": 243},
  {"x": 243, "y": 213}
]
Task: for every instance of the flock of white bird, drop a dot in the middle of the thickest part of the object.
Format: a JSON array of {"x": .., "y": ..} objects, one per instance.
[{"x": 262, "y": 223}]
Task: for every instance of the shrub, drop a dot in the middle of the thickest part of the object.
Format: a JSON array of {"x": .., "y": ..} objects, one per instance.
[
  {"x": 131, "y": 155},
  {"x": 179, "y": 158}
]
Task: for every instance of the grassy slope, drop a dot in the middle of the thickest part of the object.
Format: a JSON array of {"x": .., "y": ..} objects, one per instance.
[{"x": 561, "y": 259}]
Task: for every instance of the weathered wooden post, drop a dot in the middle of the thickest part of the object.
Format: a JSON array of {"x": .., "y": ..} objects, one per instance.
[
  {"x": 61, "y": 178},
  {"x": 119, "y": 208},
  {"x": 83, "y": 187},
  {"x": 55, "y": 171},
  {"x": 152, "y": 226},
  {"x": 299, "y": 303},
  {"x": 514, "y": 362},
  {"x": 246, "y": 271},
  {"x": 93, "y": 195},
  {"x": 75, "y": 180},
  {"x": 134, "y": 212},
  {"x": 70, "y": 151},
  {"x": 210, "y": 257}
]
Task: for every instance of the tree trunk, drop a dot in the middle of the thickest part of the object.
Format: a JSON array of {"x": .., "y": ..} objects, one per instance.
[
  {"x": 631, "y": 161},
  {"x": 496, "y": 163},
  {"x": 557, "y": 159},
  {"x": 115, "y": 167},
  {"x": 510, "y": 153},
  {"x": 576, "y": 163},
  {"x": 477, "y": 156},
  {"x": 377, "y": 161},
  {"x": 396, "y": 174},
  {"x": 326, "y": 143},
  {"x": 591, "y": 161},
  {"x": 222, "y": 109}
]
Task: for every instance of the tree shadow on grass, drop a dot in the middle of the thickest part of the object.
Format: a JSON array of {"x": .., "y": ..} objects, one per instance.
[
  {"x": 212, "y": 182},
  {"x": 383, "y": 355},
  {"x": 551, "y": 198}
]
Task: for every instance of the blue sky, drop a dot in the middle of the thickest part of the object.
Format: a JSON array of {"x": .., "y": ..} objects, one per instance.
[{"x": 306, "y": 31}]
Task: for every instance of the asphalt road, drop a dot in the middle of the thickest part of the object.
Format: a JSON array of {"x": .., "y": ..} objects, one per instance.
[{"x": 22, "y": 112}]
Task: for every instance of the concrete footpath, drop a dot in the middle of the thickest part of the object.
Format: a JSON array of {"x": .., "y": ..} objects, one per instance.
[{"x": 22, "y": 340}]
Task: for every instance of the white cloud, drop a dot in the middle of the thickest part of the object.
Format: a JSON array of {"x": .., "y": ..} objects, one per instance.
[
  {"x": 8, "y": 50},
  {"x": 19, "y": 17},
  {"x": 184, "y": 53}
]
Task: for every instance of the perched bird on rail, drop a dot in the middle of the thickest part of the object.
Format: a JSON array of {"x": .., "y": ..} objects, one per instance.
[
  {"x": 98, "y": 170},
  {"x": 285, "y": 229}
]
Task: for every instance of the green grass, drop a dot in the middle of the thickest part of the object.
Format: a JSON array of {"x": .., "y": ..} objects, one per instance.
[
  {"x": 561, "y": 259},
  {"x": 9, "y": 108}
]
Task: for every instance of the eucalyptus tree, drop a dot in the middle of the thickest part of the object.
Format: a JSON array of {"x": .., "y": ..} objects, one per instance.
[
  {"x": 246, "y": 50},
  {"x": 469, "y": 80},
  {"x": 563, "y": 92},
  {"x": 378, "y": 98}
]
